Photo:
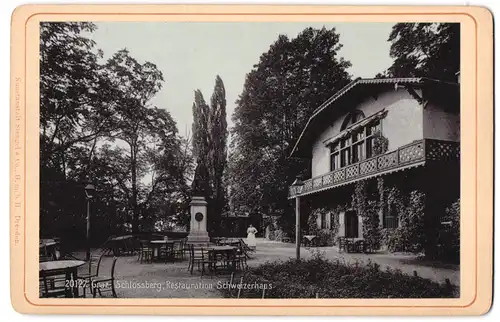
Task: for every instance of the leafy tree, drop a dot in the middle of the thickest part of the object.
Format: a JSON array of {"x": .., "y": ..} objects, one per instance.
[
  {"x": 292, "y": 78},
  {"x": 74, "y": 110},
  {"x": 425, "y": 50},
  {"x": 96, "y": 124},
  {"x": 74, "y": 107},
  {"x": 149, "y": 132}
]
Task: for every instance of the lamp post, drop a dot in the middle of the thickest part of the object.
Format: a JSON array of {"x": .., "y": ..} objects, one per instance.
[
  {"x": 89, "y": 194},
  {"x": 297, "y": 184}
]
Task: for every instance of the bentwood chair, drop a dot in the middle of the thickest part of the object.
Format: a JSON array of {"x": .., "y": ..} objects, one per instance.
[
  {"x": 145, "y": 252},
  {"x": 233, "y": 260},
  {"x": 195, "y": 257},
  {"x": 241, "y": 259},
  {"x": 94, "y": 265},
  {"x": 342, "y": 244},
  {"x": 53, "y": 284},
  {"x": 208, "y": 260},
  {"x": 105, "y": 284},
  {"x": 128, "y": 246},
  {"x": 179, "y": 249},
  {"x": 166, "y": 252},
  {"x": 45, "y": 258}
]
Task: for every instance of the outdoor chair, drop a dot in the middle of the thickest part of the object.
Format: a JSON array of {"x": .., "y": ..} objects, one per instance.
[
  {"x": 359, "y": 246},
  {"x": 179, "y": 249},
  {"x": 101, "y": 285},
  {"x": 43, "y": 249},
  {"x": 342, "y": 244},
  {"x": 241, "y": 259},
  {"x": 166, "y": 252},
  {"x": 368, "y": 247},
  {"x": 350, "y": 245},
  {"x": 195, "y": 257},
  {"x": 208, "y": 260},
  {"x": 245, "y": 248},
  {"x": 45, "y": 258},
  {"x": 108, "y": 245},
  {"x": 53, "y": 285},
  {"x": 230, "y": 261},
  {"x": 128, "y": 246},
  {"x": 94, "y": 265},
  {"x": 136, "y": 245},
  {"x": 185, "y": 246},
  {"x": 145, "y": 252}
]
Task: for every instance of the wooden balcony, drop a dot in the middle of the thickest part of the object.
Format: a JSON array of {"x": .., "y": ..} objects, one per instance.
[{"x": 410, "y": 155}]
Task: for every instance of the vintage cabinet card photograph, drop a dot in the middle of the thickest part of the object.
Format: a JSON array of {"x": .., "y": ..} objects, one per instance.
[{"x": 251, "y": 160}]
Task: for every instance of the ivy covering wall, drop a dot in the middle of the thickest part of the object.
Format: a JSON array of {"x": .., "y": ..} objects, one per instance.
[
  {"x": 328, "y": 236},
  {"x": 374, "y": 199},
  {"x": 367, "y": 207}
]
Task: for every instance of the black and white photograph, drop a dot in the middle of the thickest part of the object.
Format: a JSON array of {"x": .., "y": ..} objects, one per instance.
[{"x": 236, "y": 160}]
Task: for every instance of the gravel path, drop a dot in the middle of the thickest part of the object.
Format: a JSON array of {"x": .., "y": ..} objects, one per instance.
[
  {"x": 173, "y": 280},
  {"x": 438, "y": 272}
]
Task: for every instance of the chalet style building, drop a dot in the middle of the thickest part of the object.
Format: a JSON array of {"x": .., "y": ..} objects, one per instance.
[{"x": 404, "y": 130}]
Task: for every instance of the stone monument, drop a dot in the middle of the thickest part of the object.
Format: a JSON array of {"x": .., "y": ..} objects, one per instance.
[{"x": 198, "y": 223}]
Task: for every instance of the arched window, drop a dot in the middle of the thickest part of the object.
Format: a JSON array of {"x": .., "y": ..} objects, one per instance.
[
  {"x": 352, "y": 118},
  {"x": 358, "y": 142}
]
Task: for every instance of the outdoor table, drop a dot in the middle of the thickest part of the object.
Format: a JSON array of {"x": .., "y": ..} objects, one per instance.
[
  {"x": 229, "y": 242},
  {"x": 69, "y": 267},
  {"x": 156, "y": 245},
  {"x": 223, "y": 251},
  {"x": 310, "y": 238},
  {"x": 51, "y": 246},
  {"x": 122, "y": 237},
  {"x": 117, "y": 243}
]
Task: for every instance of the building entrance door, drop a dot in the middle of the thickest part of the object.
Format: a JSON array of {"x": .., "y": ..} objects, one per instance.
[{"x": 351, "y": 227}]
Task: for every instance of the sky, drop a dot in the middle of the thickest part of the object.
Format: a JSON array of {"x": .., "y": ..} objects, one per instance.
[{"x": 191, "y": 54}]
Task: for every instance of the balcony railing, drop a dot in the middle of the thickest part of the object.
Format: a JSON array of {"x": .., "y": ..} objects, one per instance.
[{"x": 410, "y": 154}]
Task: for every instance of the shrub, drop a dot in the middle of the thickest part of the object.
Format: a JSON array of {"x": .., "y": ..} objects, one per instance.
[
  {"x": 277, "y": 234},
  {"x": 410, "y": 236},
  {"x": 449, "y": 234},
  {"x": 326, "y": 237},
  {"x": 336, "y": 279},
  {"x": 312, "y": 223}
]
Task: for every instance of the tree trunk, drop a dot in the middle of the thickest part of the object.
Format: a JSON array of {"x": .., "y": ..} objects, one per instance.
[{"x": 135, "y": 210}]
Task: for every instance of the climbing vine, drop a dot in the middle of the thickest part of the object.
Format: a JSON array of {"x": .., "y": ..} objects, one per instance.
[
  {"x": 410, "y": 235},
  {"x": 368, "y": 210},
  {"x": 380, "y": 143},
  {"x": 312, "y": 221},
  {"x": 325, "y": 237},
  {"x": 381, "y": 194}
]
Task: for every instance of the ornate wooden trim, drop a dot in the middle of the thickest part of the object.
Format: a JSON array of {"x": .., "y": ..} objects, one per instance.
[{"x": 407, "y": 156}]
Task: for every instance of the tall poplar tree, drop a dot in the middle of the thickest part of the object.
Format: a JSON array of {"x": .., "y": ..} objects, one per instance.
[
  {"x": 210, "y": 148},
  {"x": 218, "y": 150}
]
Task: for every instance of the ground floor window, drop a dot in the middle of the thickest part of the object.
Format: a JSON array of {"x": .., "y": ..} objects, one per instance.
[
  {"x": 333, "y": 220},
  {"x": 391, "y": 219},
  {"x": 323, "y": 220}
]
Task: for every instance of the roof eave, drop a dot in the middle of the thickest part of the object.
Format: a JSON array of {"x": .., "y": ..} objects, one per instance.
[{"x": 345, "y": 90}]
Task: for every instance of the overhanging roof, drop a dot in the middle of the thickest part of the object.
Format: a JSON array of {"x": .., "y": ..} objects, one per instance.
[{"x": 354, "y": 88}]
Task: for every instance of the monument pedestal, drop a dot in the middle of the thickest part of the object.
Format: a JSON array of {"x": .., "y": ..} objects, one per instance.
[{"x": 198, "y": 225}]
